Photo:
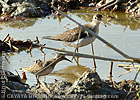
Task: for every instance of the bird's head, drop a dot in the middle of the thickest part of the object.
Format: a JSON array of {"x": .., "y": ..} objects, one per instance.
[
  {"x": 97, "y": 19},
  {"x": 62, "y": 57}
]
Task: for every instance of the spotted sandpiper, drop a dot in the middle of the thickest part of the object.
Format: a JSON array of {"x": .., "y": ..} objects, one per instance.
[
  {"x": 70, "y": 37},
  {"x": 44, "y": 68}
]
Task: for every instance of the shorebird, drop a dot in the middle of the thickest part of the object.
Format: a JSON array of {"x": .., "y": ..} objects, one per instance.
[
  {"x": 44, "y": 68},
  {"x": 73, "y": 39}
]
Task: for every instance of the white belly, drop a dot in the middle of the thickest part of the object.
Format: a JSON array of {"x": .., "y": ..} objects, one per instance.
[{"x": 82, "y": 42}]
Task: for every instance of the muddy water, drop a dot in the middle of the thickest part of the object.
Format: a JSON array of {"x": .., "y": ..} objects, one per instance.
[{"x": 123, "y": 31}]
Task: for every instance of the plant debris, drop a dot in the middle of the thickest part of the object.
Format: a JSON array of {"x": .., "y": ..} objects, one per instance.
[
  {"x": 11, "y": 10},
  {"x": 9, "y": 44}
]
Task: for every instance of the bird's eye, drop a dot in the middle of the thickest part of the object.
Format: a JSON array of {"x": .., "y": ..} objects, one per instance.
[{"x": 95, "y": 17}]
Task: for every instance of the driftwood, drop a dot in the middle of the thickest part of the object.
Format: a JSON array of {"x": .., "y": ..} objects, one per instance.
[
  {"x": 128, "y": 66},
  {"x": 70, "y": 53},
  {"x": 127, "y": 72},
  {"x": 9, "y": 43}
]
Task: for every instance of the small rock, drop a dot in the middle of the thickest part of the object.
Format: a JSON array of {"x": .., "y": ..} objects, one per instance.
[{"x": 89, "y": 79}]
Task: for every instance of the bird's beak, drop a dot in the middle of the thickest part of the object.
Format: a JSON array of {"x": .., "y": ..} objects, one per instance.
[
  {"x": 100, "y": 19},
  {"x": 67, "y": 59},
  {"x": 103, "y": 23}
]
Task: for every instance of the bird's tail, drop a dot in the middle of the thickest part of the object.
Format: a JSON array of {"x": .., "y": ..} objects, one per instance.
[
  {"x": 23, "y": 69},
  {"x": 46, "y": 37},
  {"x": 50, "y": 38}
]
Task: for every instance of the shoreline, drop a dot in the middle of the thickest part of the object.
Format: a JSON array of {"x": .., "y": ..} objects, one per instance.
[
  {"x": 40, "y": 8},
  {"x": 89, "y": 85}
]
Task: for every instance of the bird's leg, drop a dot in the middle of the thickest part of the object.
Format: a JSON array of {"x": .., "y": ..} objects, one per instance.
[
  {"x": 94, "y": 63},
  {"x": 44, "y": 78},
  {"x": 76, "y": 60},
  {"x": 37, "y": 79},
  {"x": 30, "y": 49},
  {"x": 43, "y": 52}
]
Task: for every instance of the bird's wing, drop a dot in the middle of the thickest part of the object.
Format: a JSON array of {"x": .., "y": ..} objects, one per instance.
[
  {"x": 32, "y": 69},
  {"x": 46, "y": 63},
  {"x": 69, "y": 36}
]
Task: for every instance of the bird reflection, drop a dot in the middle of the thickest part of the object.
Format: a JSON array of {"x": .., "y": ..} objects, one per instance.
[{"x": 70, "y": 73}]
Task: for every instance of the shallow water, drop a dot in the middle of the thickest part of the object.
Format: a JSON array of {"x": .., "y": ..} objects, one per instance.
[{"x": 123, "y": 31}]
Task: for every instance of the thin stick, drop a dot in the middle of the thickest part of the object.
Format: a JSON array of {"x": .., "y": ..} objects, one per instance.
[
  {"x": 7, "y": 59},
  {"x": 97, "y": 36},
  {"x": 128, "y": 66},
  {"x": 5, "y": 37},
  {"x": 94, "y": 63},
  {"x": 137, "y": 74},
  {"x": 111, "y": 68},
  {"x": 10, "y": 46},
  {"x": 127, "y": 72},
  {"x": 14, "y": 47},
  {"x": 37, "y": 40},
  {"x": 69, "y": 53}
]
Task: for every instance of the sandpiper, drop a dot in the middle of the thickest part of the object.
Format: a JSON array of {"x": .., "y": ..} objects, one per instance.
[
  {"x": 70, "y": 37},
  {"x": 44, "y": 68}
]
